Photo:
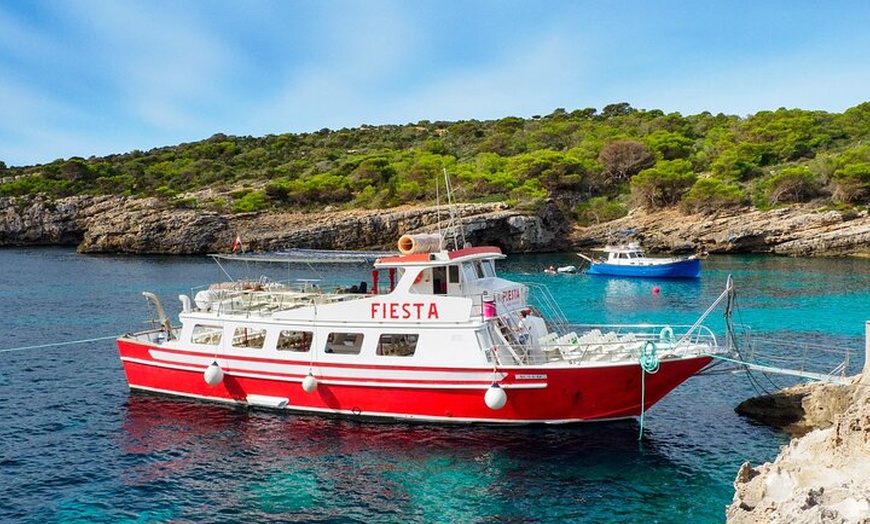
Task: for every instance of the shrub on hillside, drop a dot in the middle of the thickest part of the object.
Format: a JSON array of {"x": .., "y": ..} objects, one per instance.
[
  {"x": 709, "y": 194},
  {"x": 662, "y": 185}
]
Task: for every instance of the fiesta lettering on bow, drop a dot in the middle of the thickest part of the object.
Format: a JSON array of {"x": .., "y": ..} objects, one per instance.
[
  {"x": 404, "y": 310},
  {"x": 509, "y": 295}
]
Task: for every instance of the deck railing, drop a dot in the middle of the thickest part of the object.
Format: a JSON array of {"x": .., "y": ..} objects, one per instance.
[{"x": 795, "y": 356}]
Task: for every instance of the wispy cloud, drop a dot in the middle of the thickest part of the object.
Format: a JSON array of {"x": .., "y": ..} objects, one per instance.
[{"x": 86, "y": 77}]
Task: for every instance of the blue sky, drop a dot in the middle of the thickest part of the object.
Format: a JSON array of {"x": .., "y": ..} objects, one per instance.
[{"x": 96, "y": 77}]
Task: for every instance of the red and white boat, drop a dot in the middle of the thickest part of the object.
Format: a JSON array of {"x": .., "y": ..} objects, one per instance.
[{"x": 437, "y": 337}]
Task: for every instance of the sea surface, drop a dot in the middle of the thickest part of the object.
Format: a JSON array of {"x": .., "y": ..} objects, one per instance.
[{"x": 76, "y": 446}]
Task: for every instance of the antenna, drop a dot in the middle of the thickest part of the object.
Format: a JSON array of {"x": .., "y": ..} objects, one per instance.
[
  {"x": 438, "y": 209},
  {"x": 453, "y": 225}
]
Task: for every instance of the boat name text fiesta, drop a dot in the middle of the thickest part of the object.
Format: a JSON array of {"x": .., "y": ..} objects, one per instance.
[{"x": 404, "y": 310}]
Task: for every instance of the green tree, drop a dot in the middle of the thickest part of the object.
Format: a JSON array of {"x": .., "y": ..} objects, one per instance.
[
  {"x": 373, "y": 171},
  {"x": 792, "y": 184},
  {"x": 252, "y": 201},
  {"x": 599, "y": 209},
  {"x": 851, "y": 179},
  {"x": 622, "y": 159},
  {"x": 663, "y": 184},
  {"x": 668, "y": 145},
  {"x": 709, "y": 194}
]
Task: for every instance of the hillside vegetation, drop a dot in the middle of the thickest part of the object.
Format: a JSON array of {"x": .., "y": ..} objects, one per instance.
[{"x": 593, "y": 165}]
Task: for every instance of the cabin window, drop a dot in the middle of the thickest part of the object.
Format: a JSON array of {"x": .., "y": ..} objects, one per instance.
[
  {"x": 397, "y": 345},
  {"x": 478, "y": 269},
  {"x": 468, "y": 271},
  {"x": 453, "y": 274},
  {"x": 289, "y": 340},
  {"x": 439, "y": 280},
  {"x": 206, "y": 334},
  {"x": 248, "y": 337},
  {"x": 344, "y": 343},
  {"x": 488, "y": 268}
]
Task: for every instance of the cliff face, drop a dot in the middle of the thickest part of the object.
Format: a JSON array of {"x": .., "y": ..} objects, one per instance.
[
  {"x": 797, "y": 231},
  {"x": 119, "y": 224},
  {"x": 823, "y": 476}
]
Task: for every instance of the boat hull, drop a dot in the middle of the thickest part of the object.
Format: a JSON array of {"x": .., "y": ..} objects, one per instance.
[
  {"x": 680, "y": 269},
  {"x": 534, "y": 395}
]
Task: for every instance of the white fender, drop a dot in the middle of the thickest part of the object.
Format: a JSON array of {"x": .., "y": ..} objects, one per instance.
[
  {"x": 309, "y": 383},
  {"x": 213, "y": 374},
  {"x": 495, "y": 397}
]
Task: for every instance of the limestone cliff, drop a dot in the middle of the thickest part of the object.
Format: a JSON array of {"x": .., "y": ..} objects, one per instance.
[
  {"x": 120, "y": 224},
  {"x": 797, "y": 230},
  {"x": 116, "y": 224}
]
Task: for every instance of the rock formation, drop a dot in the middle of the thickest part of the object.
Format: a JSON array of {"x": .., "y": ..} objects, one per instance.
[
  {"x": 797, "y": 230},
  {"x": 820, "y": 477},
  {"x": 122, "y": 224},
  {"x": 99, "y": 224}
]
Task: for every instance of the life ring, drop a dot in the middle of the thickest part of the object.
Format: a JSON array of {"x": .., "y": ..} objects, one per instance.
[{"x": 667, "y": 335}]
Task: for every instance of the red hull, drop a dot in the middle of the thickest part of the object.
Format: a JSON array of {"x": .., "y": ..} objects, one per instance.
[{"x": 534, "y": 394}]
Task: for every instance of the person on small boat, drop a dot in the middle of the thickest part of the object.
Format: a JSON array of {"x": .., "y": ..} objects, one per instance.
[{"x": 551, "y": 270}]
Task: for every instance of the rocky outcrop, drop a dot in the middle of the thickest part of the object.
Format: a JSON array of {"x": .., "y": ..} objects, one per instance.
[
  {"x": 823, "y": 475},
  {"x": 798, "y": 231},
  {"x": 38, "y": 220},
  {"x": 121, "y": 224},
  {"x": 800, "y": 409},
  {"x": 118, "y": 224}
]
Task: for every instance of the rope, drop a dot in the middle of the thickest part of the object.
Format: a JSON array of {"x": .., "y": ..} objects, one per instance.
[
  {"x": 649, "y": 363},
  {"x": 58, "y": 344}
]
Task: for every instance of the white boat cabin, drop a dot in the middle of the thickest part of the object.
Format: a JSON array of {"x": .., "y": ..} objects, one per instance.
[{"x": 432, "y": 309}]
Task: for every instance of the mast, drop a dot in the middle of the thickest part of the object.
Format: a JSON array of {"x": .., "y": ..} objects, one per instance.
[{"x": 453, "y": 225}]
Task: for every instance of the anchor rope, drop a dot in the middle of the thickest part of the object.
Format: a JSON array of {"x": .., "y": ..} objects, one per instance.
[
  {"x": 649, "y": 363},
  {"x": 58, "y": 344}
]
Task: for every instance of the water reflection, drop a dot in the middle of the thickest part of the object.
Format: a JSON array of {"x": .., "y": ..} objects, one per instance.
[{"x": 311, "y": 468}]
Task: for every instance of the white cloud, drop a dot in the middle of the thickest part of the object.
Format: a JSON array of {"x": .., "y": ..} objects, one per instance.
[
  {"x": 162, "y": 67},
  {"x": 99, "y": 76}
]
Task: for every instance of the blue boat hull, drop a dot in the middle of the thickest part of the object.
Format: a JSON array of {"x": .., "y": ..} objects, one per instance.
[{"x": 681, "y": 269}]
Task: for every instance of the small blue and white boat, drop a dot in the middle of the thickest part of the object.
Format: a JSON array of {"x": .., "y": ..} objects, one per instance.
[{"x": 630, "y": 260}]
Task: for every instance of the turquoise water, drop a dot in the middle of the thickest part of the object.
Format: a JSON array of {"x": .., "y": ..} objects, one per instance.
[{"x": 77, "y": 446}]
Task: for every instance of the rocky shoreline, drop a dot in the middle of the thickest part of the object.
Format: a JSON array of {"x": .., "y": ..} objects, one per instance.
[
  {"x": 109, "y": 224},
  {"x": 823, "y": 474}
]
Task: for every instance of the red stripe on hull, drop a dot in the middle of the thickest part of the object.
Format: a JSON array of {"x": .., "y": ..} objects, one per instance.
[{"x": 571, "y": 393}]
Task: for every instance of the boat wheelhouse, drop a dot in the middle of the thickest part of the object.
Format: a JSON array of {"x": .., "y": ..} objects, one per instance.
[{"x": 436, "y": 336}]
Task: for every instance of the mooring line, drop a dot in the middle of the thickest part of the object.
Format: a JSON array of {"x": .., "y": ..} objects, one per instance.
[{"x": 57, "y": 344}]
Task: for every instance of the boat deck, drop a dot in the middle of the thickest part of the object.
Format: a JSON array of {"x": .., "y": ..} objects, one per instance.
[{"x": 245, "y": 299}]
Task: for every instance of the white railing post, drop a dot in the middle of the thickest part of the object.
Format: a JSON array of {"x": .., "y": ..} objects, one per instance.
[{"x": 865, "y": 378}]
